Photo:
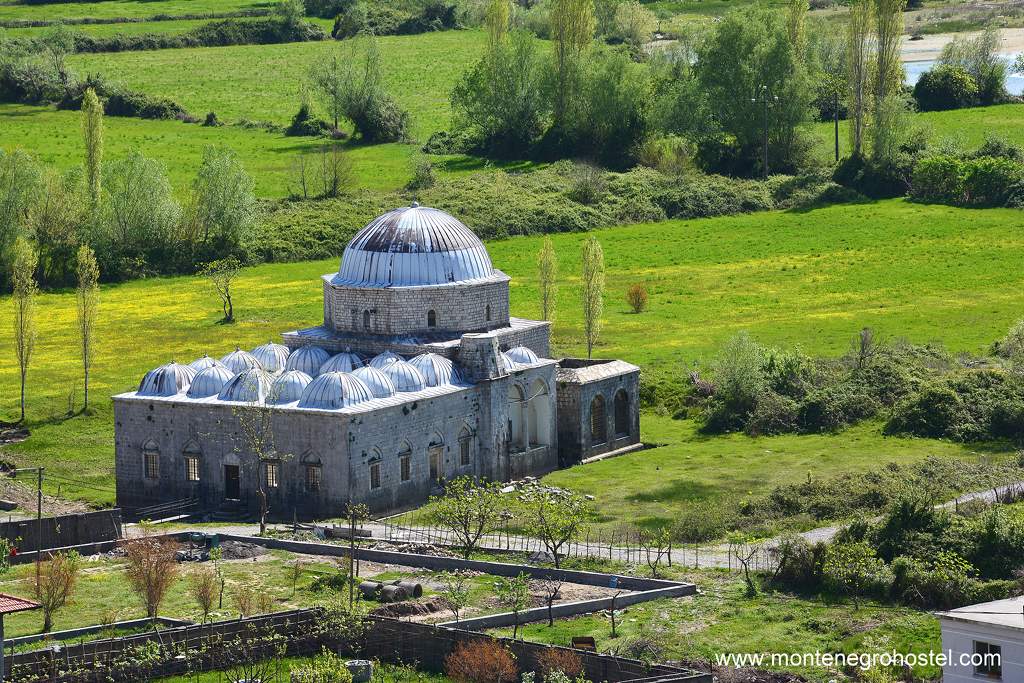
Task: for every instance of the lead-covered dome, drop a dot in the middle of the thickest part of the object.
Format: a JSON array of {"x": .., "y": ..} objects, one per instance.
[
  {"x": 346, "y": 361},
  {"x": 307, "y": 359},
  {"x": 250, "y": 386},
  {"x": 379, "y": 384},
  {"x": 522, "y": 355},
  {"x": 239, "y": 361},
  {"x": 334, "y": 390},
  {"x": 271, "y": 356},
  {"x": 288, "y": 387},
  {"x": 436, "y": 370},
  {"x": 405, "y": 377},
  {"x": 383, "y": 359},
  {"x": 200, "y": 364},
  {"x": 209, "y": 382},
  {"x": 413, "y": 246},
  {"x": 166, "y": 380}
]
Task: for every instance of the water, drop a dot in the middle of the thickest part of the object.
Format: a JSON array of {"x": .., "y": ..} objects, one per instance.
[{"x": 1014, "y": 81}]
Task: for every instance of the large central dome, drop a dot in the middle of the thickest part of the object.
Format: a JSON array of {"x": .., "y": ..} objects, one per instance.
[{"x": 413, "y": 246}]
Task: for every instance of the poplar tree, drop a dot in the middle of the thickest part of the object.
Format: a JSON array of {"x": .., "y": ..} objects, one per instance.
[
  {"x": 858, "y": 32},
  {"x": 23, "y": 271},
  {"x": 572, "y": 30},
  {"x": 593, "y": 291},
  {"x": 499, "y": 13},
  {"x": 92, "y": 133},
  {"x": 887, "y": 109},
  {"x": 547, "y": 275},
  {"x": 88, "y": 303}
]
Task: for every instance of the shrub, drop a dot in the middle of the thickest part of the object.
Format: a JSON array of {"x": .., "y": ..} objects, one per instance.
[
  {"x": 939, "y": 179},
  {"x": 636, "y": 297},
  {"x": 327, "y": 667},
  {"x": 875, "y": 179},
  {"x": 990, "y": 181},
  {"x": 945, "y": 87},
  {"x": 588, "y": 184},
  {"x": 422, "y": 173},
  {"x": 773, "y": 414},
  {"x": 304, "y": 123},
  {"x": 555, "y": 659},
  {"x": 480, "y": 661},
  {"x": 834, "y": 407}
]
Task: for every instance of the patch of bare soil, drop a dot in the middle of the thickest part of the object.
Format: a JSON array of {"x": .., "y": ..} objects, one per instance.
[{"x": 24, "y": 496}]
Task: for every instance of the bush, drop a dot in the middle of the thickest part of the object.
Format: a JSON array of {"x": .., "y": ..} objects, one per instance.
[
  {"x": 945, "y": 87},
  {"x": 990, "y": 181},
  {"x": 939, "y": 179},
  {"x": 773, "y": 414},
  {"x": 555, "y": 659},
  {"x": 636, "y": 297},
  {"x": 305, "y": 124},
  {"x": 588, "y": 184},
  {"x": 480, "y": 661},
  {"x": 874, "y": 179},
  {"x": 422, "y": 173},
  {"x": 327, "y": 667}
]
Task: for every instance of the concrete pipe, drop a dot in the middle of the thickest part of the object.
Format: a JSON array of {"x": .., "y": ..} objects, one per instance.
[
  {"x": 413, "y": 588},
  {"x": 393, "y": 594}
]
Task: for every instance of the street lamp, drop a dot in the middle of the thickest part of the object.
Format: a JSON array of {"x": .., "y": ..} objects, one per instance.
[{"x": 767, "y": 98}]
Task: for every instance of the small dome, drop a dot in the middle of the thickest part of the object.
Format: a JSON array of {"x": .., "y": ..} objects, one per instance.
[
  {"x": 271, "y": 356},
  {"x": 166, "y": 380},
  {"x": 386, "y": 358},
  {"x": 210, "y": 381},
  {"x": 239, "y": 361},
  {"x": 288, "y": 387},
  {"x": 436, "y": 370},
  {"x": 250, "y": 386},
  {"x": 413, "y": 246},
  {"x": 522, "y": 355},
  {"x": 200, "y": 364},
  {"x": 404, "y": 376},
  {"x": 307, "y": 359},
  {"x": 346, "y": 361},
  {"x": 379, "y": 384},
  {"x": 334, "y": 390},
  {"x": 510, "y": 364}
]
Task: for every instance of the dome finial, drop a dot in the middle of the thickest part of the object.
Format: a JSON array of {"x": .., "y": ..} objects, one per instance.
[{"x": 414, "y": 205}]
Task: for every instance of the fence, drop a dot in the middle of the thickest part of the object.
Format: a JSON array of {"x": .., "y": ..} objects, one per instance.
[
  {"x": 66, "y": 530},
  {"x": 625, "y": 545},
  {"x": 192, "y": 649}
]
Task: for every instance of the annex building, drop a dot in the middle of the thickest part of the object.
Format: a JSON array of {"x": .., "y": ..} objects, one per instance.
[{"x": 417, "y": 374}]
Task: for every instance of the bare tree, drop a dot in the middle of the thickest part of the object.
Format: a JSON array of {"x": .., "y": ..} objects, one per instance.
[
  {"x": 25, "y": 289},
  {"x": 88, "y": 297},
  {"x": 203, "y": 588},
  {"x": 221, "y": 275},
  {"x": 455, "y": 591},
  {"x": 57, "y": 580},
  {"x": 333, "y": 170},
  {"x": 547, "y": 276},
  {"x": 593, "y": 291},
  {"x": 551, "y": 590},
  {"x": 152, "y": 568},
  {"x": 656, "y": 545},
  {"x": 255, "y": 443}
]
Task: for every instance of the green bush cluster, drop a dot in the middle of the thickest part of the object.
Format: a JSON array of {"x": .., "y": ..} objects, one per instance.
[
  {"x": 984, "y": 181},
  {"x": 214, "y": 34},
  {"x": 354, "y": 18},
  {"x": 96, "y": 21},
  {"x": 945, "y": 87}
]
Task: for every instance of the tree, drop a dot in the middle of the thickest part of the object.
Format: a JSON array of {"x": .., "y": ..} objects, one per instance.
[
  {"x": 547, "y": 278},
  {"x": 455, "y": 591},
  {"x": 980, "y": 57},
  {"x": 203, "y": 588},
  {"x": 255, "y": 443},
  {"x": 92, "y": 133},
  {"x": 636, "y": 297},
  {"x": 88, "y": 298},
  {"x": 470, "y": 510},
  {"x": 497, "y": 17},
  {"x": 19, "y": 188},
  {"x": 945, "y": 87},
  {"x": 56, "y": 46},
  {"x": 657, "y": 545},
  {"x": 551, "y": 590},
  {"x": 57, "y": 580},
  {"x": 887, "y": 72},
  {"x": 56, "y": 220},
  {"x": 743, "y": 548},
  {"x": 221, "y": 275},
  {"x": 290, "y": 13},
  {"x": 572, "y": 30},
  {"x": 796, "y": 13},
  {"x": 514, "y": 595},
  {"x": 739, "y": 375},
  {"x": 852, "y": 567},
  {"x": 151, "y": 569},
  {"x": 555, "y": 517},
  {"x": 328, "y": 80},
  {"x": 592, "y": 291},
  {"x": 224, "y": 206},
  {"x": 634, "y": 23},
  {"x": 23, "y": 277},
  {"x": 216, "y": 557}
]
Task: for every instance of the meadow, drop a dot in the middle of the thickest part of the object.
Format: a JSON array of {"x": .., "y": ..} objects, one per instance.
[
  {"x": 809, "y": 278},
  {"x": 132, "y": 9},
  {"x": 172, "y": 26}
]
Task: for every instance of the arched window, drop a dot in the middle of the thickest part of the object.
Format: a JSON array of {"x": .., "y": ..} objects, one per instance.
[
  {"x": 435, "y": 454},
  {"x": 621, "y": 413},
  {"x": 375, "y": 474},
  {"x": 539, "y": 414},
  {"x": 314, "y": 472},
  {"x": 366, "y": 320},
  {"x": 192, "y": 455},
  {"x": 405, "y": 461},
  {"x": 516, "y": 417},
  {"x": 431, "y": 318},
  {"x": 465, "y": 447},
  {"x": 488, "y": 313},
  {"x": 151, "y": 460},
  {"x": 598, "y": 421}
]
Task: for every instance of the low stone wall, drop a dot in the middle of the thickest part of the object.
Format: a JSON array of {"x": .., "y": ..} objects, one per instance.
[{"x": 66, "y": 530}]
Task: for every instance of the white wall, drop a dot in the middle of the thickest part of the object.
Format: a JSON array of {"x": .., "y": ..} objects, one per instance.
[{"x": 958, "y": 638}]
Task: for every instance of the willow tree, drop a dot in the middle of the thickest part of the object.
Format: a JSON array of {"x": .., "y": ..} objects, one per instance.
[
  {"x": 88, "y": 297},
  {"x": 92, "y": 134},
  {"x": 858, "y": 35},
  {"x": 547, "y": 275},
  {"x": 23, "y": 277},
  {"x": 593, "y": 291},
  {"x": 572, "y": 30}
]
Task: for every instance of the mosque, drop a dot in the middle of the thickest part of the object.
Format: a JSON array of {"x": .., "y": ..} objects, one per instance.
[{"x": 418, "y": 374}]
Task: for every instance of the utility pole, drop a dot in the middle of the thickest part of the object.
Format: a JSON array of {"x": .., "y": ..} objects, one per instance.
[
  {"x": 835, "y": 115},
  {"x": 766, "y": 98},
  {"x": 39, "y": 515}
]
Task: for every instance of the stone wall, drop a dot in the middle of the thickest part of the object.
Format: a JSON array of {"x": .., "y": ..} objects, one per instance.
[
  {"x": 461, "y": 307},
  {"x": 580, "y": 382},
  {"x": 57, "y": 532}
]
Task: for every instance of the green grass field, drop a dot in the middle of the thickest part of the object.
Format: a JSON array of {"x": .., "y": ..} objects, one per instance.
[
  {"x": 263, "y": 82},
  {"x": 813, "y": 278},
  {"x": 134, "y": 9},
  {"x": 137, "y": 27}
]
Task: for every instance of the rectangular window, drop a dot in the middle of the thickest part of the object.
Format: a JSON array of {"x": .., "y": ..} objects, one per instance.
[
  {"x": 988, "y": 660},
  {"x": 191, "y": 468},
  {"x": 406, "y": 461},
  {"x": 464, "y": 451},
  {"x": 272, "y": 469},
  {"x": 375, "y": 475},
  {"x": 152, "y": 464},
  {"x": 312, "y": 477}
]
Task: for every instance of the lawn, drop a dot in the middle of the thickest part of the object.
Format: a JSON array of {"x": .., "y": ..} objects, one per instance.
[
  {"x": 721, "y": 620},
  {"x": 813, "y": 278},
  {"x": 263, "y": 82}
]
